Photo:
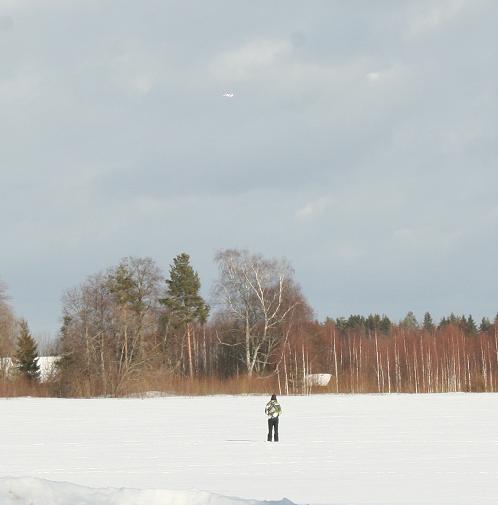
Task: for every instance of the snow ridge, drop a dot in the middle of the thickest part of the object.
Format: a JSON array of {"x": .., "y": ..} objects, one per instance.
[{"x": 32, "y": 491}]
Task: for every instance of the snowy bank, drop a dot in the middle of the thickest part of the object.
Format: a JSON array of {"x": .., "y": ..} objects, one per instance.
[{"x": 30, "y": 491}]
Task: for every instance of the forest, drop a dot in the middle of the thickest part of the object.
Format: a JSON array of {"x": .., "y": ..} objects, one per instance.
[{"x": 131, "y": 329}]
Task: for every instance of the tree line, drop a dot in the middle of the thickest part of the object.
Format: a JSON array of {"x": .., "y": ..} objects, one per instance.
[
  {"x": 132, "y": 328},
  {"x": 18, "y": 349}
]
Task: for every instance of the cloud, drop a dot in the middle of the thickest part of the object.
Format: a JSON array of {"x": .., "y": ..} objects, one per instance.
[
  {"x": 314, "y": 208},
  {"x": 427, "y": 240},
  {"x": 426, "y": 17},
  {"x": 6, "y": 23},
  {"x": 249, "y": 60},
  {"x": 373, "y": 77},
  {"x": 365, "y": 128},
  {"x": 23, "y": 86}
]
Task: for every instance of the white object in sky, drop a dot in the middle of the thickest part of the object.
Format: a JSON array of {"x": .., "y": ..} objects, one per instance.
[{"x": 228, "y": 94}]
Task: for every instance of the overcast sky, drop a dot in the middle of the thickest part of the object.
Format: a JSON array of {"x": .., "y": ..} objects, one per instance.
[{"x": 361, "y": 144}]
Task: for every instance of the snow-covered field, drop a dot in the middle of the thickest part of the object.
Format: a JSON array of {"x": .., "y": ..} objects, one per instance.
[{"x": 398, "y": 449}]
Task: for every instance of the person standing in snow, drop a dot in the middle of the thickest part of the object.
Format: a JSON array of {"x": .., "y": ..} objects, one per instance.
[{"x": 273, "y": 411}]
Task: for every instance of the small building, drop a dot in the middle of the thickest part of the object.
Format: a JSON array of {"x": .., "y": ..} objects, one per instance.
[
  {"x": 47, "y": 366},
  {"x": 318, "y": 379}
]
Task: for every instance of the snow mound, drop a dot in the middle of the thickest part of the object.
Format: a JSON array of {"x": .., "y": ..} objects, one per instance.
[
  {"x": 318, "y": 379},
  {"x": 31, "y": 491},
  {"x": 148, "y": 394}
]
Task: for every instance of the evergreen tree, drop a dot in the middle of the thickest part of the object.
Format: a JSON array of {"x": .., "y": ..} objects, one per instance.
[
  {"x": 461, "y": 322},
  {"x": 470, "y": 325},
  {"x": 356, "y": 321},
  {"x": 485, "y": 325},
  {"x": 26, "y": 355},
  {"x": 444, "y": 322},
  {"x": 410, "y": 321},
  {"x": 428, "y": 324},
  {"x": 385, "y": 325},
  {"x": 341, "y": 323},
  {"x": 184, "y": 305},
  {"x": 183, "y": 301},
  {"x": 372, "y": 324}
]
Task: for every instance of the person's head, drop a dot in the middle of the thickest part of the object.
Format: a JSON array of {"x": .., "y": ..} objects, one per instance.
[{"x": 274, "y": 397}]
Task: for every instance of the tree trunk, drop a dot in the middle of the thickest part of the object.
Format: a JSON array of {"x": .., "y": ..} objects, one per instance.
[
  {"x": 189, "y": 348},
  {"x": 248, "y": 348}
]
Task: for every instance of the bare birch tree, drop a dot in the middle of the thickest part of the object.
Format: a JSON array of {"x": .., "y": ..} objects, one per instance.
[{"x": 259, "y": 295}]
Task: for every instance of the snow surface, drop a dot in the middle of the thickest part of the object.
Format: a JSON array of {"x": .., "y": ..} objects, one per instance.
[
  {"x": 334, "y": 449},
  {"x": 31, "y": 491}
]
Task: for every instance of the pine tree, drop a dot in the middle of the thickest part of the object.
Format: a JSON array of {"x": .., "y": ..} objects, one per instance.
[
  {"x": 341, "y": 323},
  {"x": 485, "y": 325},
  {"x": 356, "y": 321},
  {"x": 471, "y": 325},
  {"x": 183, "y": 302},
  {"x": 385, "y": 325},
  {"x": 26, "y": 355},
  {"x": 428, "y": 324},
  {"x": 410, "y": 321},
  {"x": 444, "y": 322},
  {"x": 372, "y": 324}
]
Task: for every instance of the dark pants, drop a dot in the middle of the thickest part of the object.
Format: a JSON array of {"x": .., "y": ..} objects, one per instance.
[{"x": 273, "y": 425}]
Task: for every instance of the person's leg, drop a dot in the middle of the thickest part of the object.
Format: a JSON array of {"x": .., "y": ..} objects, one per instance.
[
  {"x": 275, "y": 438},
  {"x": 270, "y": 429}
]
